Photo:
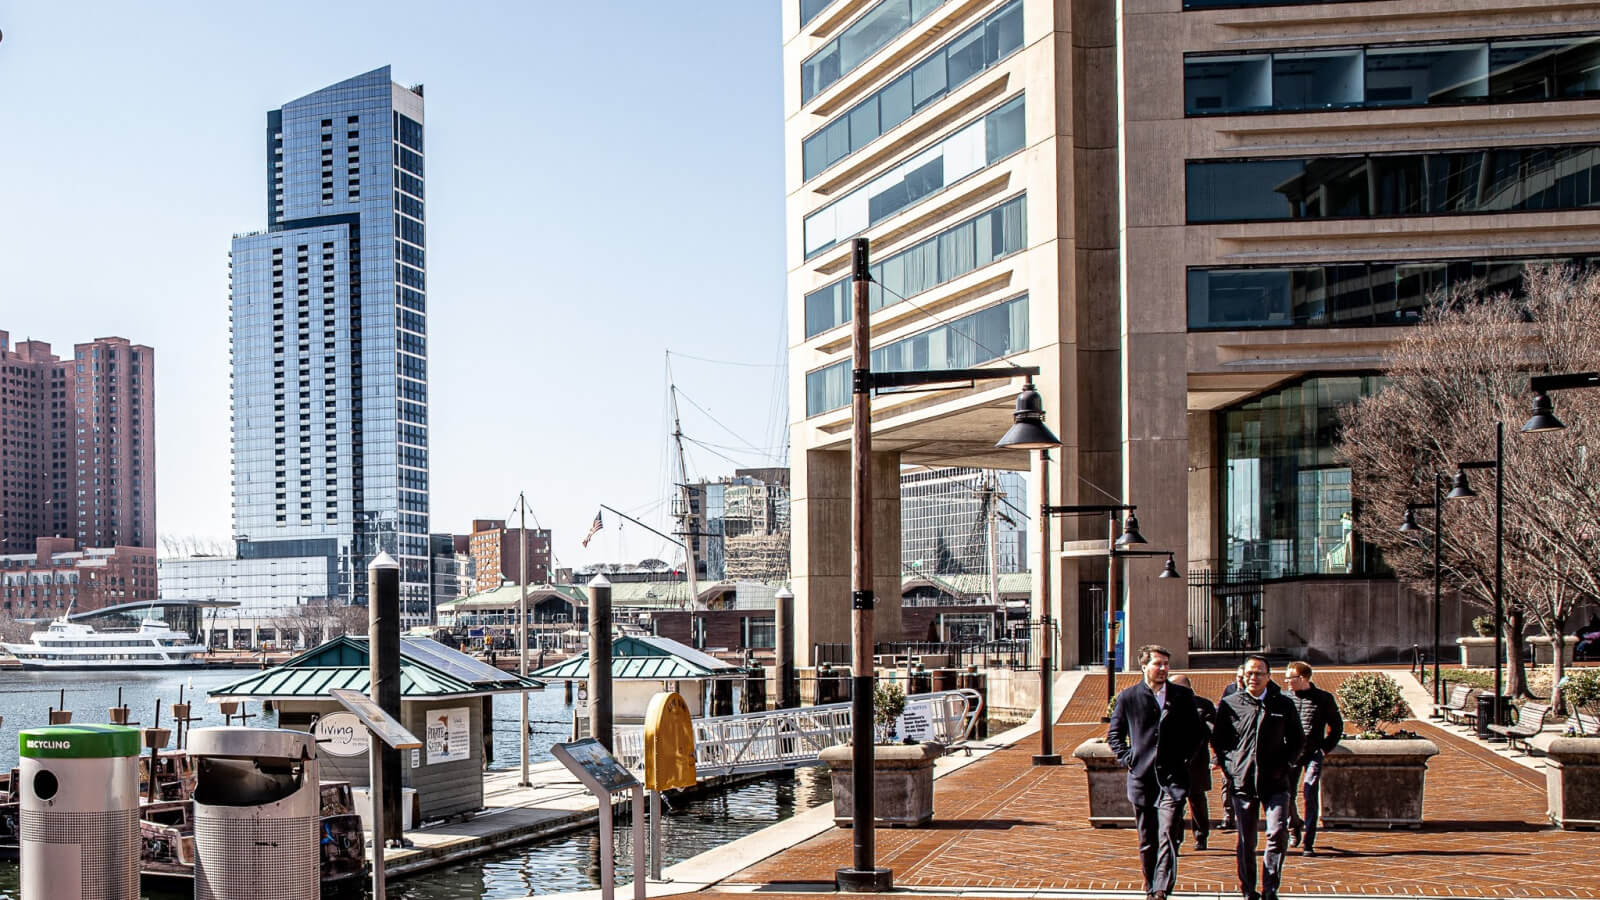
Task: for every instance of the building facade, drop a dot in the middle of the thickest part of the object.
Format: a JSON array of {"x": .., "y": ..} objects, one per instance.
[
  {"x": 77, "y": 458},
  {"x": 1205, "y": 221},
  {"x": 497, "y": 558},
  {"x": 329, "y": 341},
  {"x": 962, "y": 521},
  {"x": 266, "y": 587},
  {"x": 454, "y": 571},
  {"x": 742, "y": 525},
  {"x": 58, "y": 576}
]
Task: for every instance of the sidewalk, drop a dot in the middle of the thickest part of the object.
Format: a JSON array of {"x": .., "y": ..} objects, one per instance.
[{"x": 1005, "y": 828}]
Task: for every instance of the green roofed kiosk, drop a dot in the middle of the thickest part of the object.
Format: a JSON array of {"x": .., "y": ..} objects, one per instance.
[
  {"x": 445, "y": 699},
  {"x": 79, "y": 797}
]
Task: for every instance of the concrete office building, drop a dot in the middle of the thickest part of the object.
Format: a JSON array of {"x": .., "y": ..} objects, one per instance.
[
  {"x": 1205, "y": 221},
  {"x": 78, "y": 455},
  {"x": 329, "y": 313}
]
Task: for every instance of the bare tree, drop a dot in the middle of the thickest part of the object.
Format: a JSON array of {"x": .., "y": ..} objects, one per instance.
[{"x": 1450, "y": 379}]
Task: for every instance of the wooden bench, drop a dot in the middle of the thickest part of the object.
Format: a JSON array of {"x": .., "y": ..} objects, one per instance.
[
  {"x": 1588, "y": 724},
  {"x": 1530, "y": 721},
  {"x": 1455, "y": 708}
]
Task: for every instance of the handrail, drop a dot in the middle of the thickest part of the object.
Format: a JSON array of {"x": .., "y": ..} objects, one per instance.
[{"x": 781, "y": 739}]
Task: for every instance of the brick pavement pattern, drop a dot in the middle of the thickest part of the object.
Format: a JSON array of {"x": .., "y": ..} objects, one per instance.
[{"x": 1002, "y": 823}]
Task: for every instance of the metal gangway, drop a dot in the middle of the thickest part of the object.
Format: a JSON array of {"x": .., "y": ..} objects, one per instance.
[{"x": 780, "y": 739}]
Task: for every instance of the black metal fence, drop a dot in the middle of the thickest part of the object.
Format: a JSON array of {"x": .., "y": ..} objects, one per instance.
[
  {"x": 1225, "y": 611},
  {"x": 1016, "y": 652}
]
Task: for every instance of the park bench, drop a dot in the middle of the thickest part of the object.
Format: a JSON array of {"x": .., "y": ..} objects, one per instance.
[
  {"x": 1530, "y": 721},
  {"x": 1456, "y": 707},
  {"x": 1588, "y": 724}
]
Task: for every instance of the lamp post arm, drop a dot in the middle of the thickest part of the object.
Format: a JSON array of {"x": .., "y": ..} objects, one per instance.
[
  {"x": 1563, "y": 381},
  {"x": 880, "y": 380}
]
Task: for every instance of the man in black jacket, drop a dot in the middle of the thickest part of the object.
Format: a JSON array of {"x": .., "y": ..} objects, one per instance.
[
  {"x": 1199, "y": 772},
  {"x": 1323, "y": 726},
  {"x": 1259, "y": 739},
  {"x": 1154, "y": 730}
]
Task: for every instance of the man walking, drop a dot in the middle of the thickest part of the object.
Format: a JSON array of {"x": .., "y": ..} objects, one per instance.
[
  {"x": 1154, "y": 730},
  {"x": 1227, "y": 783},
  {"x": 1199, "y": 772},
  {"x": 1323, "y": 727},
  {"x": 1258, "y": 738}
]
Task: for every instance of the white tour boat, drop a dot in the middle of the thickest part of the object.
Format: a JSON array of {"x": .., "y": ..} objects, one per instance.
[{"x": 74, "y": 645}]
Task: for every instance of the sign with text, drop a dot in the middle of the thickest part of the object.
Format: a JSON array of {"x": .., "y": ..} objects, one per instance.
[
  {"x": 448, "y": 735},
  {"x": 341, "y": 734},
  {"x": 916, "y": 722},
  {"x": 372, "y": 715},
  {"x": 594, "y": 765}
]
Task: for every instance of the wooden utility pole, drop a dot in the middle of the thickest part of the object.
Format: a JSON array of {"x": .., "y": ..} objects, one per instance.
[{"x": 522, "y": 612}]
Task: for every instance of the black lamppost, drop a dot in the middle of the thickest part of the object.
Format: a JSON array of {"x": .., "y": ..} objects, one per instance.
[
  {"x": 1028, "y": 433},
  {"x": 1409, "y": 526},
  {"x": 1461, "y": 490}
]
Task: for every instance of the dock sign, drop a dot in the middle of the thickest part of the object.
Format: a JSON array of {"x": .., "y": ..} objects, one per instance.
[
  {"x": 447, "y": 735},
  {"x": 341, "y": 734}
]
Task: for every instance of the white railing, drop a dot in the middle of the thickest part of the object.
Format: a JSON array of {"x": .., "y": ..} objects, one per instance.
[{"x": 790, "y": 738}]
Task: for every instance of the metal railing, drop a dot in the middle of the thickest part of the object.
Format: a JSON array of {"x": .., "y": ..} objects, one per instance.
[
  {"x": 1224, "y": 611},
  {"x": 791, "y": 738}
]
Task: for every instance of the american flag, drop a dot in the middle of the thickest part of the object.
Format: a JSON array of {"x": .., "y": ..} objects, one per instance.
[{"x": 593, "y": 528}]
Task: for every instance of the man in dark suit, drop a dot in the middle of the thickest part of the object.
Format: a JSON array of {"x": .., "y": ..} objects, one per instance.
[
  {"x": 1154, "y": 730},
  {"x": 1258, "y": 736},
  {"x": 1199, "y": 772}
]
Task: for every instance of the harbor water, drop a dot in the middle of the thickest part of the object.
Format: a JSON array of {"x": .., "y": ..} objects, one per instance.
[{"x": 553, "y": 865}]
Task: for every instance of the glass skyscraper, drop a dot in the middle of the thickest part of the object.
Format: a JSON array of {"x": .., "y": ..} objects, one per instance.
[{"x": 329, "y": 347}]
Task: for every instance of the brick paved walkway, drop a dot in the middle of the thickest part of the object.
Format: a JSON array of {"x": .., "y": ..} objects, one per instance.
[{"x": 1004, "y": 824}]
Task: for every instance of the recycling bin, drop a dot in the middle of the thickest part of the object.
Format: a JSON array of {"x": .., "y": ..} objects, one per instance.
[
  {"x": 79, "y": 803},
  {"x": 257, "y": 803}
]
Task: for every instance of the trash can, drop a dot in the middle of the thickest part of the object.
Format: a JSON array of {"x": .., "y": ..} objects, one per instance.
[
  {"x": 79, "y": 802},
  {"x": 1486, "y": 715},
  {"x": 257, "y": 803}
]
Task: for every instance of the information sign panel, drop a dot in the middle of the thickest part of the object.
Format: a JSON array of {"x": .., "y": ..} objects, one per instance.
[{"x": 594, "y": 765}]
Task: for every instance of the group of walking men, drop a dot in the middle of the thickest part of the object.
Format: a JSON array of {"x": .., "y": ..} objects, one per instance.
[{"x": 1268, "y": 743}]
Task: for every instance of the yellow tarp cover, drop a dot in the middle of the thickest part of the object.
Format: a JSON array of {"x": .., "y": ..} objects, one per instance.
[{"x": 668, "y": 744}]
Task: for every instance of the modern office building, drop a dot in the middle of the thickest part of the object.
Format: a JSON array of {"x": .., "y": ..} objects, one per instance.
[
  {"x": 497, "y": 557},
  {"x": 949, "y": 514},
  {"x": 454, "y": 570},
  {"x": 329, "y": 313},
  {"x": 1205, "y": 220},
  {"x": 254, "y": 588},
  {"x": 78, "y": 454}
]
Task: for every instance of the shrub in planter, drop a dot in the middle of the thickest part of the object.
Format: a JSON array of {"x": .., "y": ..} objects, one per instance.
[
  {"x": 1371, "y": 699},
  {"x": 888, "y": 704},
  {"x": 1582, "y": 690},
  {"x": 1483, "y": 625}
]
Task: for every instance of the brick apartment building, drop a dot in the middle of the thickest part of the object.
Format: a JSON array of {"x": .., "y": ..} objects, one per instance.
[
  {"x": 497, "y": 558},
  {"x": 57, "y": 575},
  {"x": 77, "y": 444}
]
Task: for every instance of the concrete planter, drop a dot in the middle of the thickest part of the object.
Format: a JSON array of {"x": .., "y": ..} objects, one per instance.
[
  {"x": 1544, "y": 653},
  {"x": 902, "y": 782},
  {"x": 1477, "y": 652},
  {"x": 1108, "y": 785},
  {"x": 1572, "y": 782},
  {"x": 1375, "y": 783}
]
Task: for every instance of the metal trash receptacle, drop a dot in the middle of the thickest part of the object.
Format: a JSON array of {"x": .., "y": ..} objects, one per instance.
[
  {"x": 1486, "y": 715},
  {"x": 257, "y": 807},
  {"x": 79, "y": 805}
]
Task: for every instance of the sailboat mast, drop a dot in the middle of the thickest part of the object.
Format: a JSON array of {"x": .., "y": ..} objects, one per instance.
[{"x": 688, "y": 520}]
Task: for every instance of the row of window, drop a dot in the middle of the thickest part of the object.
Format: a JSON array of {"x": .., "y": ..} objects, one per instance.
[
  {"x": 974, "y": 148},
  {"x": 1342, "y": 294},
  {"x": 1510, "y": 179},
  {"x": 937, "y": 260},
  {"x": 947, "y": 68},
  {"x": 878, "y": 26},
  {"x": 1524, "y": 69},
  {"x": 971, "y": 340}
]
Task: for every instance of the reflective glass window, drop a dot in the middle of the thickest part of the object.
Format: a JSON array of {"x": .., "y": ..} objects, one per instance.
[
  {"x": 809, "y": 9},
  {"x": 876, "y": 27},
  {"x": 1322, "y": 79}
]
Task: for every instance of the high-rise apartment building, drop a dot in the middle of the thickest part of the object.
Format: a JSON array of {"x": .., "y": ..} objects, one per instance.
[
  {"x": 329, "y": 312},
  {"x": 1205, "y": 221},
  {"x": 497, "y": 558},
  {"x": 77, "y": 444}
]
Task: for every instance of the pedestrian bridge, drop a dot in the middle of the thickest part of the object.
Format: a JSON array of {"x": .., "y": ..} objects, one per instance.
[{"x": 780, "y": 739}]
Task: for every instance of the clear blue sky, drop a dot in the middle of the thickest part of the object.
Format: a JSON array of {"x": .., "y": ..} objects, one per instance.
[{"x": 604, "y": 185}]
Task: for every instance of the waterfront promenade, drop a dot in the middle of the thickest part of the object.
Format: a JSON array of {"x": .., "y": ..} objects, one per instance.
[{"x": 1005, "y": 828}]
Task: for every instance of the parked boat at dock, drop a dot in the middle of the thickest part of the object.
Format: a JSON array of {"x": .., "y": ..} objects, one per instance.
[{"x": 74, "y": 645}]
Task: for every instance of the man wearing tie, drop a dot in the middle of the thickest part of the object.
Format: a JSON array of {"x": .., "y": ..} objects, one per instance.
[{"x": 1154, "y": 731}]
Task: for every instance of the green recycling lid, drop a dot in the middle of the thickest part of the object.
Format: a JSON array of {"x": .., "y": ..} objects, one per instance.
[{"x": 78, "y": 742}]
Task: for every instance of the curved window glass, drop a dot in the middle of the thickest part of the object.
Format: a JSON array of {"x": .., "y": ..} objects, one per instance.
[
  {"x": 1286, "y": 505},
  {"x": 952, "y": 65},
  {"x": 876, "y": 27},
  {"x": 1341, "y": 295},
  {"x": 972, "y": 340},
  {"x": 1509, "y": 179},
  {"x": 944, "y": 257},
  {"x": 1510, "y": 70},
  {"x": 810, "y": 8},
  {"x": 974, "y": 148}
]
